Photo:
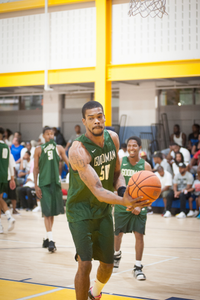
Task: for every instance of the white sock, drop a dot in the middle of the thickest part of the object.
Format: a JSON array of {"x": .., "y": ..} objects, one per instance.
[
  {"x": 38, "y": 203},
  {"x": 97, "y": 287},
  {"x": 8, "y": 215},
  {"x": 117, "y": 252},
  {"x": 138, "y": 263},
  {"x": 50, "y": 235},
  {"x": 0, "y": 219}
]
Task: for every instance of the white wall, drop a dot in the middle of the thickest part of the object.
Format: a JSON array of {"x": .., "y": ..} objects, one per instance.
[
  {"x": 138, "y": 103},
  {"x": 52, "y": 104}
]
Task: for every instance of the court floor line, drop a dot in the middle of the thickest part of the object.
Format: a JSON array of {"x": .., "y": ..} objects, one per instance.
[
  {"x": 40, "y": 294},
  {"x": 195, "y": 258},
  {"x": 31, "y": 243},
  {"x": 158, "y": 255}
]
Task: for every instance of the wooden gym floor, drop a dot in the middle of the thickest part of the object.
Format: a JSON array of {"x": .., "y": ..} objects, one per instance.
[{"x": 171, "y": 262}]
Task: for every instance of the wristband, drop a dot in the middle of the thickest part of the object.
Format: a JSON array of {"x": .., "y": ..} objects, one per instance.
[{"x": 121, "y": 191}]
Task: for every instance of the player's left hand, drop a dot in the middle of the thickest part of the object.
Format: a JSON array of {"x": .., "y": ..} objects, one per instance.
[{"x": 12, "y": 184}]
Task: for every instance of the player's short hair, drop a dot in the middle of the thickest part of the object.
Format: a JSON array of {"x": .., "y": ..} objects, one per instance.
[
  {"x": 46, "y": 128},
  {"x": 135, "y": 138},
  {"x": 2, "y": 130},
  {"x": 89, "y": 105}
]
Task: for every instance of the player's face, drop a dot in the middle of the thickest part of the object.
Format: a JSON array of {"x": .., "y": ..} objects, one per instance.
[
  {"x": 94, "y": 121},
  {"x": 48, "y": 135},
  {"x": 133, "y": 148}
]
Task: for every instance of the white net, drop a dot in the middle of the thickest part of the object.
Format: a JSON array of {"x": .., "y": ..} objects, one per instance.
[{"x": 152, "y": 8}]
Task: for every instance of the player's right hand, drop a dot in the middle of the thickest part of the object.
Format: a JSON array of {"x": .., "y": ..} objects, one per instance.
[
  {"x": 133, "y": 203},
  {"x": 38, "y": 192}
]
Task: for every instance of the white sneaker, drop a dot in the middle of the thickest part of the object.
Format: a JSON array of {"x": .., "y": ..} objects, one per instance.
[
  {"x": 182, "y": 215},
  {"x": 1, "y": 228},
  {"x": 36, "y": 209},
  {"x": 190, "y": 214},
  {"x": 167, "y": 214},
  {"x": 11, "y": 224},
  {"x": 196, "y": 212}
]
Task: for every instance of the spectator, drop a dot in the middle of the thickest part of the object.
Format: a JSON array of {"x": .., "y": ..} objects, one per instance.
[
  {"x": 175, "y": 164},
  {"x": 182, "y": 185},
  {"x": 178, "y": 137},
  {"x": 160, "y": 161},
  {"x": 196, "y": 146},
  {"x": 74, "y": 136},
  {"x": 174, "y": 148},
  {"x": 8, "y": 137},
  {"x": 196, "y": 193},
  {"x": 193, "y": 137},
  {"x": 16, "y": 149},
  {"x": 166, "y": 184},
  {"x": 195, "y": 162},
  {"x": 24, "y": 169},
  {"x": 58, "y": 137},
  {"x": 30, "y": 148},
  {"x": 143, "y": 155},
  {"x": 26, "y": 197},
  {"x": 18, "y": 135},
  {"x": 123, "y": 151}
]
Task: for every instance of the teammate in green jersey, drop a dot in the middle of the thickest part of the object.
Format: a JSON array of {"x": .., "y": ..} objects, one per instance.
[
  {"x": 46, "y": 164},
  {"x": 135, "y": 221},
  {"x": 94, "y": 174},
  {"x": 6, "y": 174}
]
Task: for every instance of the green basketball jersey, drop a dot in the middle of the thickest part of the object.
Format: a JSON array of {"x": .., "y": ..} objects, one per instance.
[
  {"x": 127, "y": 171},
  {"x": 81, "y": 203},
  {"x": 4, "y": 162},
  {"x": 49, "y": 164}
]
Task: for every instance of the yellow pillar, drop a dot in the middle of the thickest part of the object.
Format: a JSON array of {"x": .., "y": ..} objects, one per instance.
[{"x": 103, "y": 88}]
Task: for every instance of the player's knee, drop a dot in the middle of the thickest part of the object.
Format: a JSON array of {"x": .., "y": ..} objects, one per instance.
[
  {"x": 106, "y": 268},
  {"x": 84, "y": 267}
]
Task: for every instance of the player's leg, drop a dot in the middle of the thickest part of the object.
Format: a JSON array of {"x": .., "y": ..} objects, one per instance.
[
  {"x": 49, "y": 243},
  {"x": 82, "y": 279},
  {"x": 4, "y": 207},
  {"x": 117, "y": 246},
  {"x": 139, "y": 247}
]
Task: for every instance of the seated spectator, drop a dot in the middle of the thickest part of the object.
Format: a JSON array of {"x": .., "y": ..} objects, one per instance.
[
  {"x": 175, "y": 164},
  {"x": 123, "y": 151},
  {"x": 24, "y": 169},
  {"x": 193, "y": 137},
  {"x": 16, "y": 149},
  {"x": 8, "y": 137},
  {"x": 166, "y": 184},
  {"x": 196, "y": 146},
  {"x": 26, "y": 196},
  {"x": 174, "y": 148},
  {"x": 160, "y": 161},
  {"x": 182, "y": 185},
  {"x": 143, "y": 155},
  {"x": 178, "y": 137},
  {"x": 74, "y": 136},
  {"x": 196, "y": 193},
  {"x": 30, "y": 148},
  {"x": 58, "y": 137},
  {"x": 195, "y": 162}
]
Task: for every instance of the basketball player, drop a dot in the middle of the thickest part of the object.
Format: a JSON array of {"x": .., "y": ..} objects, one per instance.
[
  {"x": 135, "y": 221},
  {"x": 46, "y": 163},
  {"x": 94, "y": 173},
  {"x": 6, "y": 174}
]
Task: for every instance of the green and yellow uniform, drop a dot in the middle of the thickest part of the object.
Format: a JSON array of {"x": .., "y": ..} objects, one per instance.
[
  {"x": 49, "y": 182},
  {"x": 126, "y": 221},
  {"x": 90, "y": 220},
  {"x": 4, "y": 163}
]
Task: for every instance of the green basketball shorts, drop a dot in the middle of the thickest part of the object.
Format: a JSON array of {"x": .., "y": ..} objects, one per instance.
[
  {"x": 3, "y": 187},
  {"x": 94, "y": 239}
]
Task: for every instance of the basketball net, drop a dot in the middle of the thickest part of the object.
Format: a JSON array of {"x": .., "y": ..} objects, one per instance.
[{"x": 152, "y": 8}]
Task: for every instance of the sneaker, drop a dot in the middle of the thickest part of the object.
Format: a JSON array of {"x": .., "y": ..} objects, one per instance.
[
  {"x": 167, "y": 214},
  {"x": 11, "y": 223},
  {"x": 149, "y": 210},
  {"x": 90, "y": 296},
  {"x": 196, "y": 212},
  {"x": 37, "y": 209},
  {"x": 182, "y": 215},
  {"x": 45, "y": 243},
  {"x": 198, "y": 217},
  {"x": 117, "y": 259},
  {"x": 190, "y": 214},
  {"x": 1, "y": 228},
  {"x": 138, "y": 274},
  {"x": 15, "y": 212},
  {"x": 52, "y": 247}
]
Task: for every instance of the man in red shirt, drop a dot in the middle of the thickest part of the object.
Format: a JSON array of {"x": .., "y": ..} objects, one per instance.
[{"x": 195, "y": 162}]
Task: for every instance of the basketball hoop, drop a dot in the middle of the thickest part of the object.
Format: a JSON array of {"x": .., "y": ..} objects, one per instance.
[{"x": 152, "y": 8}]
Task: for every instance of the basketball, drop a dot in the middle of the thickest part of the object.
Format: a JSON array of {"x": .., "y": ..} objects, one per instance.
[{"x": 146, "y": 184}]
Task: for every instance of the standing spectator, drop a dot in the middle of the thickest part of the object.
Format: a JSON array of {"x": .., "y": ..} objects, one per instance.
[
  {"x": 58, "y": 137},
  {"x": 175, "y": 164},
  {"x": 174, "y": 148},
  {"x": 16, "y": 149},
  {"x": 196, "y": 146},
  {"x": 178, "y": 137},
  {"x": 18, "y": 135},
  {"x": 196, "y": 192},
  {"x": 166, "y": 184},
  {"x": 8, "y": 137},
  {"x": 160, "y": 161},
  {"x": 123, "y": 151},
  {"x": 193, "y": 137},
  {"x": 77, "y": 129},
  {"x": 182, "y": 185}
]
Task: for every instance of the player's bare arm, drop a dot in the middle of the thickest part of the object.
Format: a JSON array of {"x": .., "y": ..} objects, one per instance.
[
  {"x": 36, "y": 171},
  {"x": 63, "y": 155},
  {"x": 147, "y": 167},
  {"x": 79, "y": 159}
]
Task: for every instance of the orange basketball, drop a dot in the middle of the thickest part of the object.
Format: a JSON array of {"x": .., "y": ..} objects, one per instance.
[{"x": 146, "y": 184}]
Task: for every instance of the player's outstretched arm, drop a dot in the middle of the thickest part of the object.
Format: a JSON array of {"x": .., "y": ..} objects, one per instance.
[
  {"x": 62, "y": 153},
  {"x": 36, "y": 171},
  {"x": 80, "y": 159}
]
